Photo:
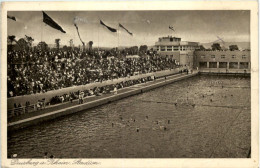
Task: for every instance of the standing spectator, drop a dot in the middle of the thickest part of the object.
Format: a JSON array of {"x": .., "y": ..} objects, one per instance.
[
  {"x": 81, "y": 96},
  {"x": 115, "y": 90}
]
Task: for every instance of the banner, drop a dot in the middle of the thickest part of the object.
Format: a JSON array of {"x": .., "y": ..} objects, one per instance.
[
  {"x": 11, "y": 17},
  {"x": 109, "y": 28},
  {"x": 125, "y": 29},
  {"x": 171, "y": 27},
  {"x": 78, "y": 34},
  {"x": 49, "y": 21}
]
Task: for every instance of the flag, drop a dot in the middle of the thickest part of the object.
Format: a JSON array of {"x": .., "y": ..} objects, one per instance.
[
  {"x": 109, "y": 28},
  {"x": 48, "y": 20},
  {"x": 11, "y": 17},
  {"x": 171, "y": 27},
  {"x": 78, "y": 33},
  {"x": 125, "y": 29}
]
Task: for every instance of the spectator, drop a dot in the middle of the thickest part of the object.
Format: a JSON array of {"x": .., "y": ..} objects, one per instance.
[
  {"x": 40, "y": 71},
  {"x": 115, "y": 90}
]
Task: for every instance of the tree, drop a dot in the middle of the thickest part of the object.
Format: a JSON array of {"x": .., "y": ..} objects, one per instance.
[
  {"x": 57, "y": 42},
  {"x": 90, "y": 44},
  {"x": 23, "y": 44},
  {"x": 29, "y": 40},
  {"x": 11, "y": 39},
  {"x": 83, "y": 46},
  {"x": 202, "y": 48},
  {"x": 42, "y": 46},
  {"x": 143, "y": 49},
  {"x": 65, "y": 48},
  {"x": 133, "y": 50},
  {"x": 233, "y": 47},
  {"x": 216, "y": 46}
]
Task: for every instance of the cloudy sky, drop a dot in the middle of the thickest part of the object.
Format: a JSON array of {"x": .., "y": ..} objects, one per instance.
[{"x": 199, "y": 26}]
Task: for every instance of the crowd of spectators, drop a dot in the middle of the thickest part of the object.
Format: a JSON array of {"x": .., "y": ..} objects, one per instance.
[
  {"x": 32, "y": 72},
  {"x": 97, "y": 91},
  {"x": 78, "y": 96}
]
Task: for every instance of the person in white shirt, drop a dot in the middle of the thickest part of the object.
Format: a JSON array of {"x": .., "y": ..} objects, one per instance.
[
  {"x": 81, "y": 97},
  {"x": 115, "y": 90}
]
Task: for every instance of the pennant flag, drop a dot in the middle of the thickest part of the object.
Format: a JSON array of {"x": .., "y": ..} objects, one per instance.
[
  {"x": 171, "y": 27},
  {"x": 11, "y": 17},
  {"x": 109, "y": 28},
  {"x": 125, "y": 29},
  {"x": 49, "y": 21},
  {"x": 78, "y": 33}
]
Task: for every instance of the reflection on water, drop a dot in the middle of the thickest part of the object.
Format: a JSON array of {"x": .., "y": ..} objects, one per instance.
[{"x": 201, "y": 117}]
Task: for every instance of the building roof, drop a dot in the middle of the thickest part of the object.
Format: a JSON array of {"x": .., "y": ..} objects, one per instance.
[{"x": 175, "y": 41}]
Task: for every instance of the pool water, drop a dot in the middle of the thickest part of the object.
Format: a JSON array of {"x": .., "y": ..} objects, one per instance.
[{"x": 200, "y": 117}]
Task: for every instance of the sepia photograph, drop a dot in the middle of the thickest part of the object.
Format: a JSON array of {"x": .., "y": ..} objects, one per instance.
[{"x": 128, "y": 83}]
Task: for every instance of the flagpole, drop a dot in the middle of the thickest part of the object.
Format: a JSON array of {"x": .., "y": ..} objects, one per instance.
[
  {"x": 41, "y": 29},
  {"x": 118, "y": 37},
  {"x": 98, "y": 35}
]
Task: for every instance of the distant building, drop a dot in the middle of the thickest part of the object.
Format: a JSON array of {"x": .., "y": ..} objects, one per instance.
[
  {"x": 184, "y": 53},
  {"x": 222, "y": 59},
  {"x": 181, "y": 51}
]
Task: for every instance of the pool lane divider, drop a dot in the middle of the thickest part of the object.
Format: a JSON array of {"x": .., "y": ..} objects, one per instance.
[{"x": 94, "y": 103}]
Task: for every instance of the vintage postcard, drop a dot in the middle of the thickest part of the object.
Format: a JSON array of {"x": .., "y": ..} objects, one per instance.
[{"x": 129, "y": 84}]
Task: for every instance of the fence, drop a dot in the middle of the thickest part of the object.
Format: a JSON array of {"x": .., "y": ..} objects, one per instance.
[
  {"x": 25, "y": 109},
  {"x": 33, "y": 98}
]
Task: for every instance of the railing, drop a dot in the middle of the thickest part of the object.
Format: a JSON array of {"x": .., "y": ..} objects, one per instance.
[{"x": 25, "y": 109}]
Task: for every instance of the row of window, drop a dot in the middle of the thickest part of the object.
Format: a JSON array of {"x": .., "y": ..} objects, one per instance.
[
  {"x": 223, "y": 56},
  {"x": 231, "y": 65},
  {"x": 175, "y": 48}
]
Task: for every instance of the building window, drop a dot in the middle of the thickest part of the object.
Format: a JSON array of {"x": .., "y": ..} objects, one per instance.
[
  {"x": 223, "y": 56},
  {"x": 212, "y": 56},
  {"x": 233, "y": 56},
  {"x": 203, "y": 56},
  {"x": 233, "y": 65},
  {"x": 212, "y": 64},
  {"x": 243, "y": 65},
  {"x": 203, "y": 64},
  {"x": 169, "y": 48},
  {"x": 176, "y": 48},
  {"x": 222, "y": 64},
  {"x": 243, "y": 56},
  {"x": 162, "y": 48}
]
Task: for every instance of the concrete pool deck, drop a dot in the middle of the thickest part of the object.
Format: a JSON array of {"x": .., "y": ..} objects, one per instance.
[{"x": 66, "y": 108}]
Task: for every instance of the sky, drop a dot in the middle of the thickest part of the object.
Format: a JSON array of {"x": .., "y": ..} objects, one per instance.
[{"x": 197, "y": 26}]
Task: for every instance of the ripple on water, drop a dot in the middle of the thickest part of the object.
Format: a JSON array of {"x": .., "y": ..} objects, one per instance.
[{"x": 217, "y": 126}]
